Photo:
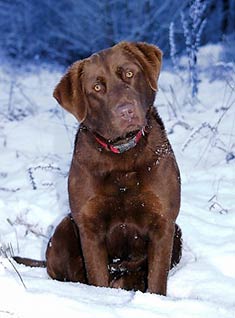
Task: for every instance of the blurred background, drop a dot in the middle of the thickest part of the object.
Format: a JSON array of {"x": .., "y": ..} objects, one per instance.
[{"x": 63, "y": 31}]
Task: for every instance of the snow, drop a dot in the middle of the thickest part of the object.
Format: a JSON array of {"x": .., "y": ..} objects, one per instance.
[{"x": 35, "y": 157}]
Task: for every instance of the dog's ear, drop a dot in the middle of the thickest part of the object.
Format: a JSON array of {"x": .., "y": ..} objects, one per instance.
[
  {"x": 150, "y": 58},
  {"x": 69, "y": 94},
  {"x": 153, "y": 57}
]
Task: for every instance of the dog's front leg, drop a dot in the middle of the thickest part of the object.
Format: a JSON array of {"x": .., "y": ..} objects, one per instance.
[
  {"x": 94, "y": 251},
  {"x": 159, "y": 257}
]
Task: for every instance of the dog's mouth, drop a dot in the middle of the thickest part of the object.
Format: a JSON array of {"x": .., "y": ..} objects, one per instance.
[
  {"x": 127, "y": 130},
  {"x": 125, "y": 138},
  {"x": 130, "y": 130}
]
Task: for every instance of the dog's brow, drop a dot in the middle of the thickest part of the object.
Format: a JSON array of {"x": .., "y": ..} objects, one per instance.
[{"x": 100, "y": 79}]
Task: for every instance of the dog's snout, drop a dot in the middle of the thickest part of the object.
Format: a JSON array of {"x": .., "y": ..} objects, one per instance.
[{"x": 125, "y": 111}]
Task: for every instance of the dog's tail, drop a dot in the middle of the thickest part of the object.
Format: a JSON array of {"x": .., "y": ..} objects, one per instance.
[{"x": 30, "y": 262}]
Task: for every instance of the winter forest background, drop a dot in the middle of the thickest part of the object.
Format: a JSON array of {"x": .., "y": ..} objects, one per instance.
[
  {"x": 64, "y": 31},
  {"x": 196, "y": 100}
]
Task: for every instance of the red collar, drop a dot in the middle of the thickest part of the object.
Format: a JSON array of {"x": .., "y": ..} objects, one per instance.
[{"x": 122, "y": 147}]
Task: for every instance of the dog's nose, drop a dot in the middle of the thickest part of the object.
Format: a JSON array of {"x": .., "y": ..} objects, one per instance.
[{"x": 126, "y": 111}]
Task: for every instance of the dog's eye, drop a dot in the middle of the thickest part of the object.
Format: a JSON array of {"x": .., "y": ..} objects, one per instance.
[
  {"x": 97, "y": 87},
  {"x": 129, "y": 74}
]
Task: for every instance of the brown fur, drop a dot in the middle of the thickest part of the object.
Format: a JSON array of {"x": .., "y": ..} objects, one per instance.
[{"x": 124, "y": 206}]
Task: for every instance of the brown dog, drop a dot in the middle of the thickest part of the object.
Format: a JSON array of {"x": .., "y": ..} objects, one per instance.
[{"x": 124, "y": 183}]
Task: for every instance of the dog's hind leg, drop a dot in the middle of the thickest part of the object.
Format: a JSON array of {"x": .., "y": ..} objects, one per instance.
[{"x": 64, "y": 257}]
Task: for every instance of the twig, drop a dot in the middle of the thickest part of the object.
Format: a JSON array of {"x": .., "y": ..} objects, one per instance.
[
  {"x": 32, "y": 104},
  {"x": 8, "y": 313},
  {"x": 32, "y": 181},
  {"x": 32, "y": 228},
  {"x": 196, "y": 132},
  {"x": 17, "y": 272},
  {"x": 179, "y": 123},
  {"x": 16, "y": 235},
  {"x": 170, "y": 104},
  {"x": 216, "y": 205},
  {"x": 9, "y": 189},
  {"x": 5, "y": 254},
  {"x": 39, "y": 167}
]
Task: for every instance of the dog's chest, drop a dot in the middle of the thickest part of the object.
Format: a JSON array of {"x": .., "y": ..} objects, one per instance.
[{"x": 116, "y": 183}]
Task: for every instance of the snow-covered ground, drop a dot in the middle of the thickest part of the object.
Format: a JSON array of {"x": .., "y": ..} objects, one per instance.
[{"x": 36, "y": 143}]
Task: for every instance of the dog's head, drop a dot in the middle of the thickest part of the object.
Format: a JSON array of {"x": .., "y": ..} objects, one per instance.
[{"x": 111, "y": 91}]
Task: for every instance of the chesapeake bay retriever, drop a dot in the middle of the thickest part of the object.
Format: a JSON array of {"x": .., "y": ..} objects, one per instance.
[{"x": 124, "y": 182}]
